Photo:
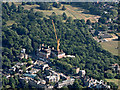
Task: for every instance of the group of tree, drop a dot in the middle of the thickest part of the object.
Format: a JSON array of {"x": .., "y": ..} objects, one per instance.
[{"x": 30, "y": 29}]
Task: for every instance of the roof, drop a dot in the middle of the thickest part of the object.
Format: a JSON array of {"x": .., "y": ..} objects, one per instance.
[
  {"x": 92, "y": 31},
  {"x": 106, "y": 36},
  {"x": 30, "y": 75},
  {"x": 44, "y": 47},
  {"x": 57, "y": 52},
  {"x": 115, "y": 64},
  {"x": 45, "y": 50}
]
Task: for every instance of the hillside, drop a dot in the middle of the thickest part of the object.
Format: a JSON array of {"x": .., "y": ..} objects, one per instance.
[
  {"x": 111, "y": 46},
  {"x": 74, "y": 12},
  {"x": 30, "y": 29}
]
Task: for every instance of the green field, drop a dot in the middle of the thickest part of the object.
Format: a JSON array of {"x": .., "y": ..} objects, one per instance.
[
  {"x": 116, "y": 81},
  {"x": 111, "y": 46},
  {"x": 74, "y": 12},
  {"x": 9, "y": 23}
]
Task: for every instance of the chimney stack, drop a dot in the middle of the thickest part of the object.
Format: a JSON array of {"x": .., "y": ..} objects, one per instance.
[
  {"x": 52, "y": 48},
  {"x": 48, "y": 46},
  {"x": 43, "y": 44},
  {"x": 23, "y": 50}
]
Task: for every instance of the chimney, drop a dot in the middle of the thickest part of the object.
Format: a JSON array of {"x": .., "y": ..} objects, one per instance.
[
  {"x": 23, "y": 50},
  {"x": 43, "y": 44},
  {"x": 48, "y": 46},
  {"x": 52, "y": 48}
]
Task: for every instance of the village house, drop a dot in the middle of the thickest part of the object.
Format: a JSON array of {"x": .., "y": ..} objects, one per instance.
[
  {"x": 116, "y": 67},
  {"x": 65, "y": 83},
  {"x": 82, "y": 73},
  {"x": 58, "y": 54},
  {"x": 50, "y": 86},
  {"x": 42, "y": 81},
  {"x": 44, "y": 66},
  {"x": 90, "y": 26},
  {"x": 33, "y": 71},
  {"x": 106, "y": 36},
  {"x": 46, "y": 52},
  {"x": 76, "y": 70},
  {"x": 36, "y": 84},
  {"x": 29, "y": 75},
  {"x": 7, "y": 76},
  {"x": 62, "y": 76},
  {"x": 92, "y": 32},
  {"x": 16, "y": 66},
  {"x": 23, "y": 54},
  {"x": 93, "y": 83},
  {"x": 53, "y": 78},
  {"x": 38, "y": 63}
]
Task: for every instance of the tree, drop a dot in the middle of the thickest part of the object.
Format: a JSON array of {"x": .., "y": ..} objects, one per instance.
[
  {"x": 114, "y": 12},
  {"x": 96, "y": 33},
  {"x": 102, "y": 20},
  {"x": 64, "y": 88},
  {"x": 22, "y": 30},
  {"x": 57, "y": 5},
  {"x": 82, "y": 21},
  {"x": 69, "y": 20},
  {"x": 10, "y": 41},
  {"x": 23, "y": 3},
  {"x": 80, "y": 24},
  {"x": 16, "y": 80},
  {"x": 104, "y": 28},
  {"x": 13, "y": 85},
  {"x": 64, "y": 16},
  {"x": 63, "y": 8},
  {"x": 44, "y": 6},
  {"x": 20, "y": 9},
  {"x": 53, "y": 13},
  {"x": 117, "y": 76},
  {"x": 75, "y": 39},
  {"x": 76, "y": 85},
  {"x": 50, "y": 8},
  {"x": 36, "y": 78},
  {"x": 13, "y": 7},
  {"x": 88, "y": 22},
  {"x": 23, "y": 68},
  {"x": 12, "y": 81},
  {"x": 109, "y": 75},
  {"x": 30, "y": 3},
  {"x": 39, "y": 14},
  {"x": 14, "y": 26},
  {"x": 113, "y": 85}
]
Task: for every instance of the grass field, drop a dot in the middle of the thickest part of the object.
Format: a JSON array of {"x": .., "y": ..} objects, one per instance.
[
  {"x": 116, "y": 81},
  {"x": 111, "y": 46},
  {"x": 118, "y": 34},
  {"x": 9, "y": 23},
  {"x": 74, "y": 12}
]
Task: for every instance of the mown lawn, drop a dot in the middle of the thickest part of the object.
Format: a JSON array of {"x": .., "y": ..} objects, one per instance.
[
  {"x": 9, "y": 23},
  {"x": 111, "y": 46},
  {"x": 116, "y": 81},
  {"x": 74, "y": 12}
]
